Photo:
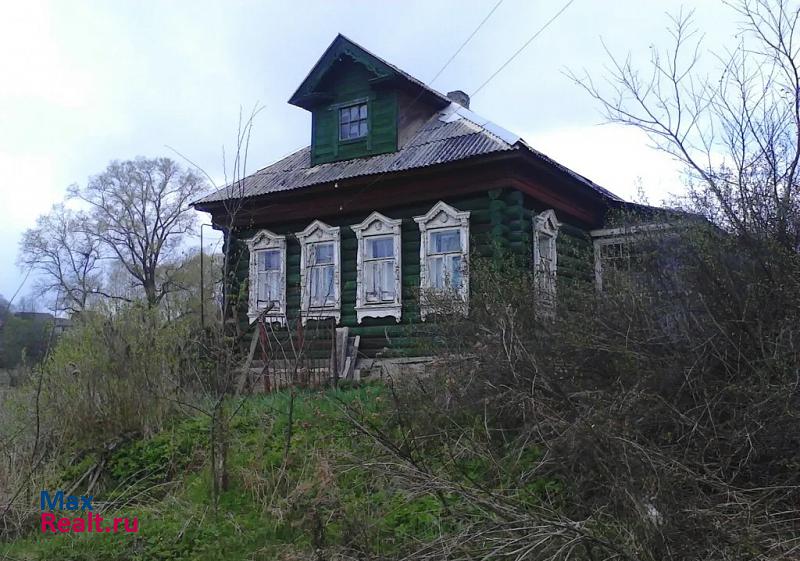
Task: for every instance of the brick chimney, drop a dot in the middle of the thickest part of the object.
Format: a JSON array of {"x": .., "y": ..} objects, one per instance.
[{"x": 459, "y": 97}]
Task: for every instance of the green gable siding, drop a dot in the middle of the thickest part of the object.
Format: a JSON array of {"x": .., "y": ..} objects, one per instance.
[{"x": 348, "y": 82}]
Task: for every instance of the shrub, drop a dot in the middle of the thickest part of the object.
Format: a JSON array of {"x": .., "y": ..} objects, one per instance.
[{"x": 657, "y": 420}]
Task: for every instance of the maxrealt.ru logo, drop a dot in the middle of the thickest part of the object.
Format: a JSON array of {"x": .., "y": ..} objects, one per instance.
[{"x": 91, "y": 522}]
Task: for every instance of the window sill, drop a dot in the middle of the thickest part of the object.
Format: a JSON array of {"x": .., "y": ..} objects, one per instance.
[
  {"x": 271, "y": 317},
  {"x": 458, "y": 305},
  {"x": 353, "y": 140},
  {"x": 321, "y": 313},
  {"x": 379, "y": 311}
]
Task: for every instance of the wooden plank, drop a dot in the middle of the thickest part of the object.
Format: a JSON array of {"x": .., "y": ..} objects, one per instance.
[
  {"x": 245, "y": 373},
  {"x": 342, "y": 336}
]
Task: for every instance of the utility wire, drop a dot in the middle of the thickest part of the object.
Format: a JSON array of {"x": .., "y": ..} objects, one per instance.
[
  {"x": 522, "y": 48},
  {"x": 464, "y": 44},
  {"x": 419, "y": 95}
]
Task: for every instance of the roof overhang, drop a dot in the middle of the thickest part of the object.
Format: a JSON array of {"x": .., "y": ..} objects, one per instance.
[
  {"x": 515, "y": 169},
  {"x": 308, "y": 94}
]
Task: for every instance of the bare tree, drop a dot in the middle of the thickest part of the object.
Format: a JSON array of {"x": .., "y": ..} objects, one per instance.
[
  {"x": 737, "y": 132},
  {"x": 65, "y": 255},
  {"x": 139, "y": 210}
]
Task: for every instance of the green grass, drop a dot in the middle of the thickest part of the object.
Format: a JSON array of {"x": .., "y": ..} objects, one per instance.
[
  {"x": 276, "y": 503},
  {"x": 279, "y": 505}
]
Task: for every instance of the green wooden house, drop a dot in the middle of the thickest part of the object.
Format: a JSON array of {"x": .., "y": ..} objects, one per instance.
[{"x": 399, "y": 188}]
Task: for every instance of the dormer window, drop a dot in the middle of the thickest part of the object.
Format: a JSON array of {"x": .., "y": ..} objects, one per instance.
[{"x": 353, "y": 122}]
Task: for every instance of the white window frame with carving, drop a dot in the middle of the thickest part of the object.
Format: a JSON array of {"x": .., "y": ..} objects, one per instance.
[
  {"x": 621, "y": 237},
  {"x": 376, "y": 227},
  {"x": 440, "y": 218},
  {"x": 319, "y": 233},
  {"x": 266, "y": 241},
  {"x": 545, "y": 258}
]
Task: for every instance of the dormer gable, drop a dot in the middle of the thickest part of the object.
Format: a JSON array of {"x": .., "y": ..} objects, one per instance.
[{"x": 358, "y": 103}]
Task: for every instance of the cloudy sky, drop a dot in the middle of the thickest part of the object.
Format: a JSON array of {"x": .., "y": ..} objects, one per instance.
[{"x": 83, "y": 83}]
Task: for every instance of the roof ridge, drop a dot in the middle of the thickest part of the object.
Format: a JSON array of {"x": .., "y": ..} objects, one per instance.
[{"x": 343, "y": 42}]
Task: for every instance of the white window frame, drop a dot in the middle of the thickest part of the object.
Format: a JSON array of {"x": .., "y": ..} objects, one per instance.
[
  {"x": 319, "y": 232},
  {"x": 376, "y": 225},
  {"x": 611, "y": 236},
  {"x": 545, "y": 234},
  {"x": 264, "y": 240},
  {"x": 442, "y": 217}
]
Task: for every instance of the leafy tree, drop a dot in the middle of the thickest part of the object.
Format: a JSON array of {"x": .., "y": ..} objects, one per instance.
[
  {"x": 66, "y": 256},
  {"x": 186, "y": 298},
  {"x": 139, "y": 211},
  {"x": 24, "y": 338},
  {"x": 5, "y": 307}
]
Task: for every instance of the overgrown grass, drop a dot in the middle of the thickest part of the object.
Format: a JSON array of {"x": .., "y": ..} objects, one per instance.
[
  {"x": 286, "y": 498},
  {"x": 314, "y": 488}
]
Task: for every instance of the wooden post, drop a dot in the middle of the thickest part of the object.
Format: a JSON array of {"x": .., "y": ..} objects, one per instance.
[{"x": 334, "y": 363}]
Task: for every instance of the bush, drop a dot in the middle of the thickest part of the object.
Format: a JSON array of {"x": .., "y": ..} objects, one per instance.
[
  {"x": 110, "y": 376},
  {"x": 23, "y": 340},
  {"x": 657, "y": 420}
]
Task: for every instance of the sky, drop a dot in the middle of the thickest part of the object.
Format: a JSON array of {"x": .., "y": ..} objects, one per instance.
[{"x": 83, "y": 83}]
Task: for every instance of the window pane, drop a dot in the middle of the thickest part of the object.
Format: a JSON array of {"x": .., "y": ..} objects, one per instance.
[
  {"x": 269, "y": 260},
  {"x": 273, "y": 287},
  {"x": 328, "y": 280},
  {"x": 316, "y": 292},
  {"x": 353, "y": 122},
  {"x": 380, "y": 247},
  {"x": 436, "y": 272},
  {"x": 263, "y": 289},
  {"x": 371, "y": 282},
  {"x": 379, "y": 281},
  {"x": 444, "y": 242},
  {"x": 323, "y": 253},
  {"x": 321, "y": 289},
  {"x": 387, "y": 278},
  {"x": 454, "y": 272},
  {"x": 269, "y": 288}
]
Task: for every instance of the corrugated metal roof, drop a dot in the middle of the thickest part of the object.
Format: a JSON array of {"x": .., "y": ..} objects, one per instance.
[
  {"x": 437, "y": 142},
  {"x": 449, "y": 136}
]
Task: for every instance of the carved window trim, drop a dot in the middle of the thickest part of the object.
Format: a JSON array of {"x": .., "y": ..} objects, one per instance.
[
  {"x": 623, "y": 237},
  {"x": 545, "y": 250},
  {"x": 442, "y": 217},
  {"x": 376, "y": 225},
  {"x": 265, "y": 240},
  {"x": 318, "y": 232}
]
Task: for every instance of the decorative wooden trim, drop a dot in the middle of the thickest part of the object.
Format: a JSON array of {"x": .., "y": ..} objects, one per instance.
[
  {"x": 611, "y": 236},
  {"x": 630, "y": 230},
  {"x": 378, "y": 225},
  {"x": 317, "y": 232},
  {"x": 545, "y": 233},
  {"x": 266, "y": 240},
  {"x": 442, "y": 216}
]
